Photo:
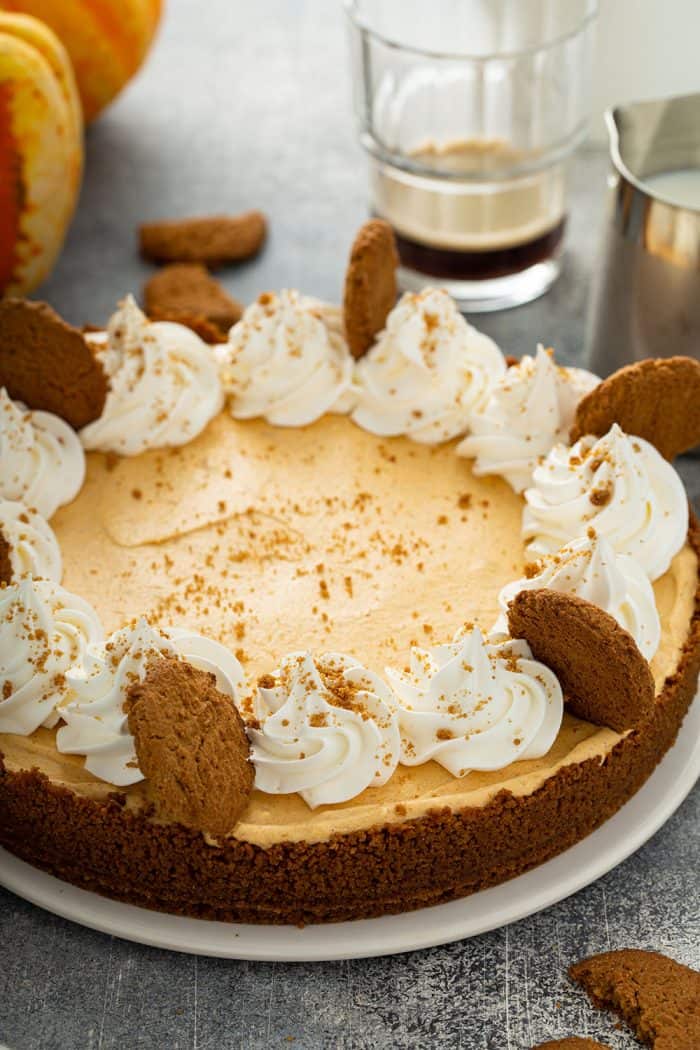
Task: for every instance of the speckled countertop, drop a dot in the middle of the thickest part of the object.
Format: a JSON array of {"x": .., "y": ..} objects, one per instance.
[{"x": 248, "y": 105}]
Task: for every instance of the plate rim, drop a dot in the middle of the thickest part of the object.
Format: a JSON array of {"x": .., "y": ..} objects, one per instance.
[{"x": 547, "y": 884}]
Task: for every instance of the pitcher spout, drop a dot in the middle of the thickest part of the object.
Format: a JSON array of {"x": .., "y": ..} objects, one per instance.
[
  {"x": 646, "y": 296},
  {"x": 654, "y": 136}
]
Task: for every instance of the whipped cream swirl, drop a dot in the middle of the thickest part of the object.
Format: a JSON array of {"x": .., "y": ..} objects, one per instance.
[
  {"x": 45, "y": 633},
  {"x": 164, "y": 384},
  {"x": 96, "y": 722},
  {"x": 589, "y": 568},
  {"x": 428, "y": 372},
  {"x": 43, "y": 463},
  {"x": 619, "y": 485},
  {"x": 531, "y": 410},
  {"x": 31, "y": 540},
  {"x": 287, "y": 361},
  {"x": 322, "y": 727},
  {"x": 471, "y": 705}
]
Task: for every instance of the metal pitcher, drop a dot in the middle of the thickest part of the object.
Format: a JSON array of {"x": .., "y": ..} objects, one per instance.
[{"x": 646, "y": 298}]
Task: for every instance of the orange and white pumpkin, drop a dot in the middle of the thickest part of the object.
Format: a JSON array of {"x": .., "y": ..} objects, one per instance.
[
  {"x": 41, "y": 151},
  {"x": 107, "y": 40}
]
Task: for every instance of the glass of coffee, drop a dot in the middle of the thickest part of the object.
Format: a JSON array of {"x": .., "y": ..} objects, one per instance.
[{"x": 469, "y": 111}]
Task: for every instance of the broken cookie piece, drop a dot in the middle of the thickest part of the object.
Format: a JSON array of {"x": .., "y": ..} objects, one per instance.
[
  {"x": 207, "y": 331},
  {"x": 5, "y": 561},
  {"x": 187, "y": 290},
  {"x": 191, "y": 745},
  {"x": 657, "y": 399},
  {"x": 370, "y": 284},
  {"x": 210, "y": 239},
  {"x": 48, "y": 365},
  {"x": 656, "y": 996},
  {"x": 605, "y": 678}
]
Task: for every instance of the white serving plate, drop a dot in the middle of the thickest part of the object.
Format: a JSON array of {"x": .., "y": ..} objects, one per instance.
[{"x": 620, "y": 836}]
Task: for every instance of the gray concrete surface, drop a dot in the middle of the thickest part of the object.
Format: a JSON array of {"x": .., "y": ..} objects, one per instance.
[{"x": 247, "y": 105}]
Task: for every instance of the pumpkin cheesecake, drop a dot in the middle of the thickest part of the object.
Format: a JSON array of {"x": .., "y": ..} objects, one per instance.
[{"x": 338, "y": 548}]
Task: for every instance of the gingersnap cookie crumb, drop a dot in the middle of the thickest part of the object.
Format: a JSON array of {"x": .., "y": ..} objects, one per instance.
[
  {"x": 210, "y": 239},
  {"x": 5, "y": 561},
  {"x": 48, "y": 364},
  {"x": 573, "y": 1042},
  {"x": 191, "y": 745},
  {"x": 370, "y": 284},
  {"x": 658, "y": 400},
  {"x": 188, "y": 290},
  {"x": 605, "y": 678},
  {"x": 656, "y": 996}
]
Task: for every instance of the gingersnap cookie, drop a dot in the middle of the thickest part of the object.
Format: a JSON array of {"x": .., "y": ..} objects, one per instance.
[
  {"x": 207, "y": 331},
  {"x": 574, "y": 1042},
  {"x": 5, "y": 561},
  {"x": 658, "y": 400},
  {"x": 47, "y": 363},
  {"x": 657, "y": 997},
  {"x": 188, "y": 290},
  {"x": 191, "y": 745},
  {"x": 370, "y": 284},
  {"x": 605, "y": 678},
  {"x": 210, "y": 239}
]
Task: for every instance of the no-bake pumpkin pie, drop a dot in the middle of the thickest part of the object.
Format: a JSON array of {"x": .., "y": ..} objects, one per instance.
[{"x": 256, "y": 652}]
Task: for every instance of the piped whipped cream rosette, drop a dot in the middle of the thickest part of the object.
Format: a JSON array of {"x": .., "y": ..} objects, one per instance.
[
  {"x": 323, "y": 727},
  {"x": 45, "y": 633},
  {"x": 620, "y": 486},
  {"x": 530, "y": 410},
  {"x": 287, "y": 361},
  {"x": 164, "y": 384},
  {"x": 31, "y": 542},
  {"x": 43, "y": 463},
  {"x": 472, "y": 705},
  {"x": 428, "y": 372},
  {"x": 96, "y": 722},
  {"x": 589, "y": 568}
]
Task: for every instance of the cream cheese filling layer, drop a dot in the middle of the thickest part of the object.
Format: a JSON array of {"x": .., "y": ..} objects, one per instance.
[{"x": 324, "y": 537}]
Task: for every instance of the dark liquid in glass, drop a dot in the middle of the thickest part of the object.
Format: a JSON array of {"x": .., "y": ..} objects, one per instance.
[{"x": 479, "y": 265}]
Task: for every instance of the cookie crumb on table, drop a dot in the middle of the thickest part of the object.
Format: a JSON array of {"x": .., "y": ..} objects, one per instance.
[
  {"x": 210, "y": 239},
  {"x": 188, "y": 291},
  {"x": 657, "y": 997}
]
